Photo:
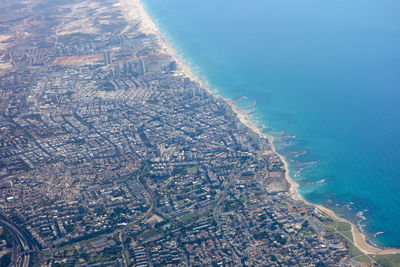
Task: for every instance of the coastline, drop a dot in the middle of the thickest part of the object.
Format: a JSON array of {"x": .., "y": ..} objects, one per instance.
[
  {"x": 148, "y": 26},
  {"x": 135, "y": 10},
  {"x": 360, "y": 239}
]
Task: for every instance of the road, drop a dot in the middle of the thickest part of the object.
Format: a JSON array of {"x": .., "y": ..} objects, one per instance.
[{"x": 23, "y": 248}]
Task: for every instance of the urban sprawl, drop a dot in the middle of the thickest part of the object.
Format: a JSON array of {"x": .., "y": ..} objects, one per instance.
[{"x": 111, "y": 156}]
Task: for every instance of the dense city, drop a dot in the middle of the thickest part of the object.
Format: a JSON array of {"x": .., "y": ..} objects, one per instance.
[{"x": 110, "y": 155}]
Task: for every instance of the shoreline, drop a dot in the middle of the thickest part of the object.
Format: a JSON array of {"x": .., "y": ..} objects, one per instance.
[
  {"x": 149, "y": 27},
  {"x": 360, "y": 239}
]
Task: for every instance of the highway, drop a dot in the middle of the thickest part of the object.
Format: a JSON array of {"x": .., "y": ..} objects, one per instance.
[{"x": 23, "y": 246}]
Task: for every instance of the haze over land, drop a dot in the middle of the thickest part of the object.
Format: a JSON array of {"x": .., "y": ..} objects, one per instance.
[{"x": 112, "y": 152}]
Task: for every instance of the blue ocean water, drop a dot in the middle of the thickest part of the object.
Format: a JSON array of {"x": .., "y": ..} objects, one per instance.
[{"x": 326, "y": 79}]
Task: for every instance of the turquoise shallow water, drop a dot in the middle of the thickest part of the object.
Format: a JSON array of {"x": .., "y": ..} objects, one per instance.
[{"x": 326, "y": 78}]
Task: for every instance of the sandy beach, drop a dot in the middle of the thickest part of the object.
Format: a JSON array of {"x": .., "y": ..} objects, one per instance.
[{"x": 135, "y": 12}]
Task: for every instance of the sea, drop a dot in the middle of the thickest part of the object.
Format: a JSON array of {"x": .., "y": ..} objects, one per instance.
[{"x": 323, "y": 77}]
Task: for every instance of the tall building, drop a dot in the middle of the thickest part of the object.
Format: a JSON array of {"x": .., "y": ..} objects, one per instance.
[
  {"x": 117, "y": 71},
  {"x": 107, "y": 57},
  {"x": 142, "y": 67},
  {"x": 130, "y": 67}
]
